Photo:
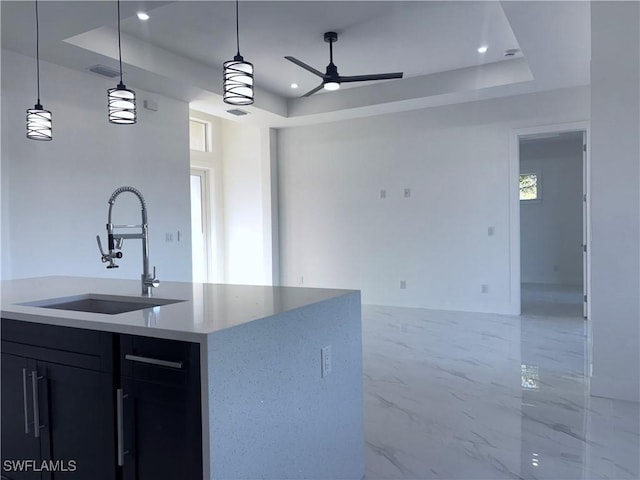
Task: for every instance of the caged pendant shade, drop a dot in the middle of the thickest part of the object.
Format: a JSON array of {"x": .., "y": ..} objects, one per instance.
[
  {"x": 238, "y": 76},
  {"x": 39, "y": 125},
  {"x": 121, "y": 100}
]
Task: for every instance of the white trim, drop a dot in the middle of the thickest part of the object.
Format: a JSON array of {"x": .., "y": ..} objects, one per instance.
[
  {"x": 514, "y": 205},
  {"x": 212, "y": 162},
  {"x": 204, "y": 175}
]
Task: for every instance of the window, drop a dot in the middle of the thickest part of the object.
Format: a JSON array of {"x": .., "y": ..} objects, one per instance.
[
  {"x": 530, "y": 188},
  {"x": 198, "y": 135}
]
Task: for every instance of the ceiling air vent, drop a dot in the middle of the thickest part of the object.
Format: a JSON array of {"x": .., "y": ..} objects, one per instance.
[
  {"x": 237, "y": 112},
  {"x": 104, "y": 71},
  {"x": 511, "y": 52}
]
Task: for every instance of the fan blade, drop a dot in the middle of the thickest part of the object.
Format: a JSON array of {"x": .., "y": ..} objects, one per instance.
[
  {"x": 311, "y": 92},
  {"x": 378, "y": 76},
  {"x": 305, "y": 66}
]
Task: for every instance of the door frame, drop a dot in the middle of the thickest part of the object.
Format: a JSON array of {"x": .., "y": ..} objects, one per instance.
[
  {"x": 204, "y": 176},
  {"x": 515, "y": 293}
]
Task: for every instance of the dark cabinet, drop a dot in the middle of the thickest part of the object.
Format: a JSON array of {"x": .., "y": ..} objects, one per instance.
[
  {"x": 18, "y": 439},
  {"x": 57, "y": 419},
  {"x": 107, "y": 406},
  {"x": 78, "y": 420},
  {"x": 160, "y": 405}
]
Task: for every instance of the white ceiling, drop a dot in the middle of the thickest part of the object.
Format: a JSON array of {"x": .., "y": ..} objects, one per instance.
[{"x": 179, "y": 51}]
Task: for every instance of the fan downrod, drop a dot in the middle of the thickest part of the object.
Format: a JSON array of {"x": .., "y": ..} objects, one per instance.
[{"x": 330, "y": 37}]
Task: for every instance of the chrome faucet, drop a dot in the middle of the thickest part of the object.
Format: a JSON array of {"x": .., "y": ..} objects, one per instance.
[{"x": 115, "y": 241}]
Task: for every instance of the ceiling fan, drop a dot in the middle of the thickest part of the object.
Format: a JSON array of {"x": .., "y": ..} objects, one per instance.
[{"x": 331, "y": 80}]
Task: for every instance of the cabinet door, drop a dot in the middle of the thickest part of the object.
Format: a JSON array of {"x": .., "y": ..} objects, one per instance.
[
  {"x": 18, "y": 439},
  {"x": 78, "y": 418},
  {"x": 162, "y": 431}
]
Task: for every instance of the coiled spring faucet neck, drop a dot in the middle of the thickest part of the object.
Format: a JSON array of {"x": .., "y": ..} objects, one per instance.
[
  {"x": 115, "y": 240},
  {"x": 136, "y": 192}
]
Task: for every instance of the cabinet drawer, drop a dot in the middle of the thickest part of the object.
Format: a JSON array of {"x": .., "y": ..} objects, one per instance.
[
  {"x": 66, "y": 345},
  {"x": 158, "y": 360}
]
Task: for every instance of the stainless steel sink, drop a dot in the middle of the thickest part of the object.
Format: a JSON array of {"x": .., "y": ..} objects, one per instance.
[{"x": 106, "y": 304}]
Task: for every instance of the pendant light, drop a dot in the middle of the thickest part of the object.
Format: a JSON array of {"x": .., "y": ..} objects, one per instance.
[
  {"x": 238, "y": 76},
  {"x": 38, "y": 119},
  {"x": 121, "y": 100}
]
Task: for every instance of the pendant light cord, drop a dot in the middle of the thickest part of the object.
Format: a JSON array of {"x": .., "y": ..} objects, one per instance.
[
  {"x": 38, "y": 51},
  {"x": 237, "y": 29},
  {"x": 119, "y": 44}
]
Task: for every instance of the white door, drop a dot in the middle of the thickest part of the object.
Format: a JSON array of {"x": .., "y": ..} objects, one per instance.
[{"x": 199, "y": 230}]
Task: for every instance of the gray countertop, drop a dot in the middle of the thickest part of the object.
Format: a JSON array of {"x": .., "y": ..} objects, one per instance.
[{"x": 201, "y": 310}]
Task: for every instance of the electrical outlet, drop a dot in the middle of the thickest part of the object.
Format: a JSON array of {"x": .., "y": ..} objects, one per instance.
[
  {"x": 168, "y": 237},
  {"x": 403, "y": 284},
  {"x": 491, "y": 231},
  {"x": 407, "y": 192},
  {"x": 383, "y": 193},
  {"x": 325, "y": 360},
  {"x": 484, "y": 288}
]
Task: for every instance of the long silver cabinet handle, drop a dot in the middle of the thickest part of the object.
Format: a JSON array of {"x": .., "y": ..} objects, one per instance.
[
  {"x": 36, "y": 404},
  {"x": 24, "y": 397},
  {"x": 120, "y": 425},
  {"x": 153, "y": 361}
]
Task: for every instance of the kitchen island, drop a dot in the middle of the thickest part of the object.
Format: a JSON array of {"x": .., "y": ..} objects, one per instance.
[{"x": 278, "y": 373}]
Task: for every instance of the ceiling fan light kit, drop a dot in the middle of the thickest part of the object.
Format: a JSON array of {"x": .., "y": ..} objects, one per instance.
[{"x": 331, "y": 79}]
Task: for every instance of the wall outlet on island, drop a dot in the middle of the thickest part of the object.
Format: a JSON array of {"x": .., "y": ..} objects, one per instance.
[
  {"x": 325, "y": 360},
  {"x": 484, "y": 288}
]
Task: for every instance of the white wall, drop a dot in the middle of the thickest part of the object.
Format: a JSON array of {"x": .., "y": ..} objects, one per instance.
[
  {"x": 336, "y": 231},
  {"x": 248, "y": 184},
  {"x": 551, "y": 229},
  {"x": 54, "y": 194},
  {"x": 615, "y": 199}
]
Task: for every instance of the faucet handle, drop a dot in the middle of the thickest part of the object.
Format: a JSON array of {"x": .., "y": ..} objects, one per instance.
[
  {"x": 100, "y": 248},
  {"x": 154, "y": 281}
]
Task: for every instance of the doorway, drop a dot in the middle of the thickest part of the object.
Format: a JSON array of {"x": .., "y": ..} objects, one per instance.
[{"x": 553, "y": 222}]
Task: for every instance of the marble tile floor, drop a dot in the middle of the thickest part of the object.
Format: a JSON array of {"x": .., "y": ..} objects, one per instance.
[{"x": 451, "y": 395}]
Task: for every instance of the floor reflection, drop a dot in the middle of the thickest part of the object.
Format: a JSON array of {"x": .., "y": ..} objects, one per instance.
[{"x": 452, "y": 395}]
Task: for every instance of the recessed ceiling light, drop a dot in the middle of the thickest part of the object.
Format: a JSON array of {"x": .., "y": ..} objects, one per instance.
[
  {"x": 294, "y": 85},
  {"x": 143, "y": 16},
  {"x": 483, "y": 49}
]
